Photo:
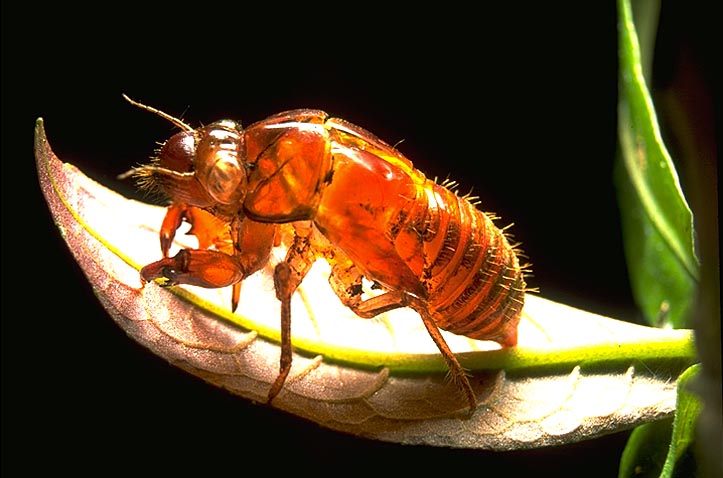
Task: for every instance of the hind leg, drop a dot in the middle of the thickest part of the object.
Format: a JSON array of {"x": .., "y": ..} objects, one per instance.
[{"x": 346, "y": 281}]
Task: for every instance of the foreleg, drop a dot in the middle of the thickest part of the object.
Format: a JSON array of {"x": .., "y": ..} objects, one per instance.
[{"x": 201, "y": 268}]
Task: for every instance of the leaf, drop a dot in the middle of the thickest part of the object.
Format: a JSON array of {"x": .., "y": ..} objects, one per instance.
[
  {"x": 687, "y": 409},
  {"x": 657, "y": 222},
  {"x": 574, "y": 375},
  {"x": 645, "y": 454}
]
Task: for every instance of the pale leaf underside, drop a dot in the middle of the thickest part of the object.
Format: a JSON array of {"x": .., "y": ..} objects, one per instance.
[{"x": 568, "y": 380}]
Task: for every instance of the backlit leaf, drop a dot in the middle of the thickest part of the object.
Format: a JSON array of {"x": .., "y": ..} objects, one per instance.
[{"x": 574, "y": 375}]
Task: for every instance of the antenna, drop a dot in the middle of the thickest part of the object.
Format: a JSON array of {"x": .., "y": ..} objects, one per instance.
[{"x": 160, "y": 113}]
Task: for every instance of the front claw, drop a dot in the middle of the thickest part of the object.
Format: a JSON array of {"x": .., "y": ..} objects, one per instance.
[
  {"x": 159, "y": 272},
  {"x": 201, "y": 268},
  {"x": 158, "y": 277}
]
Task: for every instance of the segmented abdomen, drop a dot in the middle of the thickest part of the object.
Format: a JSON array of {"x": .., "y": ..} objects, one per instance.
[{"x": 475, "y": 285}]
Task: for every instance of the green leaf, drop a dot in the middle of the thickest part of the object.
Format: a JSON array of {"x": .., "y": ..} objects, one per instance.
[
  {"x": 663, "y": 448},
  {"x": 687, "y": 409},
  {"x": 646, "y": 450},
  {"x": 657, "y": 222}
]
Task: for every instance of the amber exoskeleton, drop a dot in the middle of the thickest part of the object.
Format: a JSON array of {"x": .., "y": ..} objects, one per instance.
[{"x": 348, "y": 198}]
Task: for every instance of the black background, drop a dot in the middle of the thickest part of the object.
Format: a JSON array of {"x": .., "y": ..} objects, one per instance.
[{"x": 518, "y": 103}]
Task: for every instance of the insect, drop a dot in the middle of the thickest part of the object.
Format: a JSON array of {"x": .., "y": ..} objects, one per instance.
[{"x": 347, "y": 197}]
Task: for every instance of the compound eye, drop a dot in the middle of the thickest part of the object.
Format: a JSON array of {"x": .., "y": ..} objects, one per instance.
[{"x": 177, "y": 153}]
